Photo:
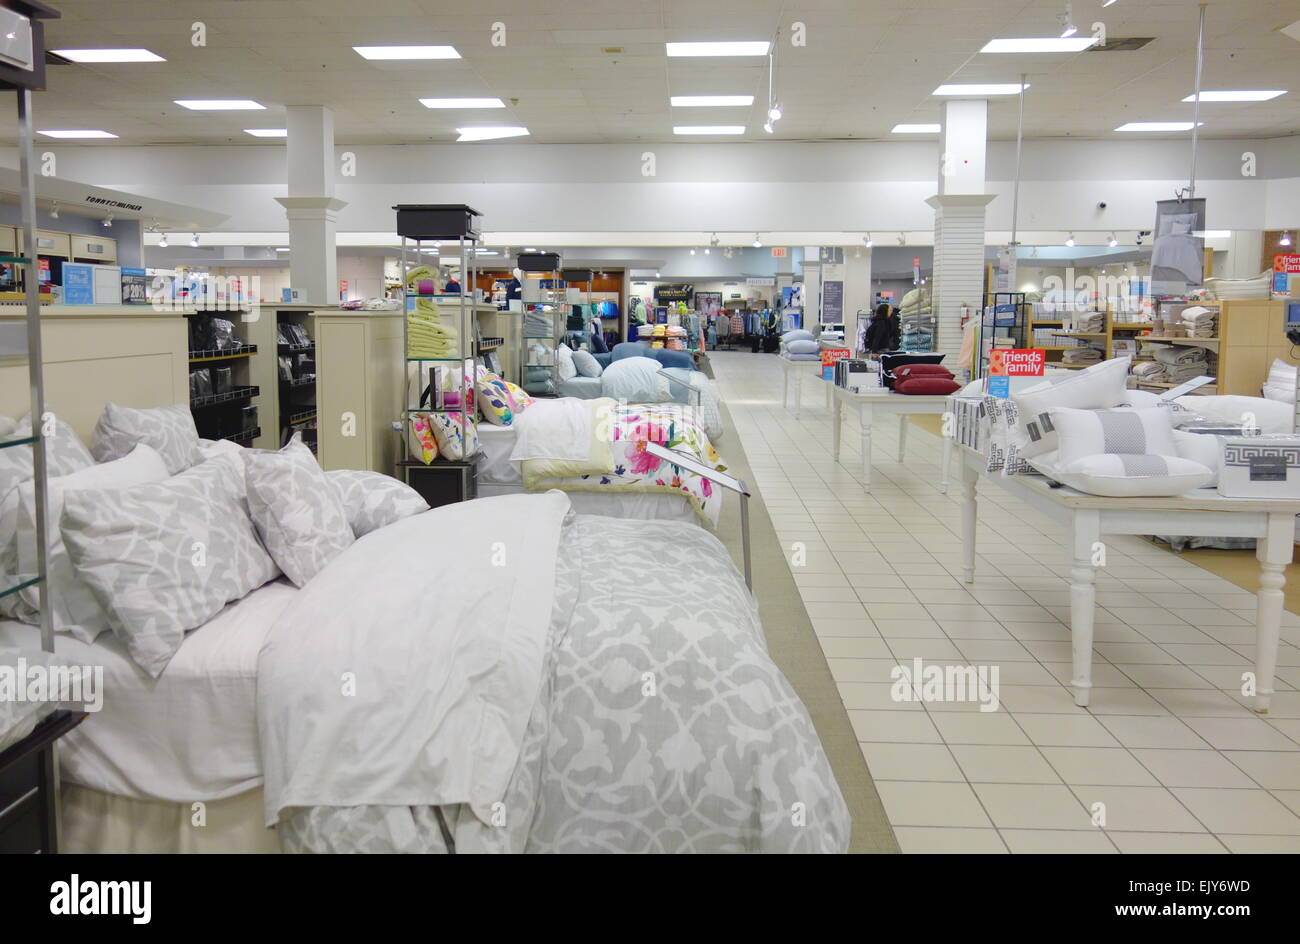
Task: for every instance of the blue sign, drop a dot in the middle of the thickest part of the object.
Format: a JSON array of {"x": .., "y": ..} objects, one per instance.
[
  {"x": 78, "y": 284},
  {"x": 999, "y": 387}
]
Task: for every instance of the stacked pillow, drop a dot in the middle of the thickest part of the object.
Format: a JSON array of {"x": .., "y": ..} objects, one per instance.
[
  {"x": 1280, "y": 385},
  {"x": 921, "y": 379}
]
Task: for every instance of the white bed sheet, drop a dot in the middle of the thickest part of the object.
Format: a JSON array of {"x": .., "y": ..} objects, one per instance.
[
  {"x": 188, "y": 735},
  {"x": 495, "y": 466},
  {"x": 637, "y": 505}
]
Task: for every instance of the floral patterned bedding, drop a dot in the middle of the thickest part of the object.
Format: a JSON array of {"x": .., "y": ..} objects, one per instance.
[{"x": 628, "y": 428}]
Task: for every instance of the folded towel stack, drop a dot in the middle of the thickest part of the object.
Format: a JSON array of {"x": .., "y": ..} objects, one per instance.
[
  {"x": 1149, "y": 371},
  {"x": 427, "y": 335},
  {"x": 1082, "y": 355},
  {"x": 1089, "y": 322},
  {"x": 645, "y": 331},
  {"x": 1200, "y": 322}
]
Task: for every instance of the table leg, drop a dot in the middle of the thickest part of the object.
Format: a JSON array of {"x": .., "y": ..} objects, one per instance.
[
  {"x": 798, "y": 392},
  {"x": 830, "y": 393},
  {"x": 785, "y": 384},
  {"x": 947, "y": 464},
  {"x": 969, "y": 516},
  {"x": 837, "y": 416},
  {"x": 902, "y": 436},
  {"x": 865, "y": 419},
  {"x": 1084, "y": 536},
  {"x": 1274, "y": 552}
]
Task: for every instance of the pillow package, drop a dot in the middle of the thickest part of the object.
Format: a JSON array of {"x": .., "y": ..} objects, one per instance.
[
  {"x": 1133, "y": 432},
  {"x": 169, "y": 430},
  {"x": 73, "y": 606},
  {"x": 1093, "y": 388},
  {"x": 1280, "y": 385},
  {"x": 372, "y": 500},
  {"x": 165, "y": 557},
  {"x": 298, "y": 514},
  {"x": 1117, "y": 475}
]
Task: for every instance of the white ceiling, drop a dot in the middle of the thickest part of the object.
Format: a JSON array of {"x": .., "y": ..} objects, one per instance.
[{"x": 867, "y": 65}]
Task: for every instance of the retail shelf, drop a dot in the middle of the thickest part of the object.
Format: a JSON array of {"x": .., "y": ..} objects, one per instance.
[
  {"x": 299, "y": 382},
  {"x": 434, "y": 360},
  {"x": 231, "y": 396},
  {"x": 1181, "y": 340},
  {"x": 302, "y": 416},
  {"x": 12, "y": 583},
  {"x": 6, "y": 442},
  {"x": 295, "y": 348},
  {"x": 244, "y": 437},
  {"x": 14, "y": 260},
  {"x": 222, "y": 354}
]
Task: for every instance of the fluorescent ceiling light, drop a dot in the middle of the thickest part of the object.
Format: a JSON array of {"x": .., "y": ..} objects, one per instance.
[
  {"x": 462, "y": 103},
  {"x": 489, "y": 134},
  {"x": 1245, "y": 95},
  {"x": 708, "y": 129},
  {"x": 1041, "y": 44},
  {"x": 754, "y": 48},
  {"x": 1157, "y": 126},
  {"x": 1212, "y": 233},
  {"x": 1005, "y": 88},
  {"x": 85, "y": 133},
  {"x": 711, "y": 101},
  {"x": 917, "y": 129},
  {"x": 219, "y": 104},
  {"x": 108, "y": 55},
  {"x": 267, "y": 132},
  {"x": 281, "y": 248},
  {"x": 407, "y": 52}
]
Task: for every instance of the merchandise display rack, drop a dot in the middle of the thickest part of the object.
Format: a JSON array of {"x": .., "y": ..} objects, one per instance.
[
  {"x": 1006, "y": 312},
  {"x": 224, "y": 415},
  {"x": 576, "y": 296},
  {"x": 543, "y": 303},
  {"x": 296, "y": 403},
  {"x": 417, "y": 225}
]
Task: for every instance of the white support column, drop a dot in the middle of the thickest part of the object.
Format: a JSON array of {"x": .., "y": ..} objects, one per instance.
[
  {"x": 959, "y": 210},
  {"x": 311, "y": 207},
  {"x": 857, "y": 290}
]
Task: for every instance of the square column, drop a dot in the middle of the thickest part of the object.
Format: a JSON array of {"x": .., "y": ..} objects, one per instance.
[
  {"x": 311, "y": 207},
  {"x": 958, "y": 265}
]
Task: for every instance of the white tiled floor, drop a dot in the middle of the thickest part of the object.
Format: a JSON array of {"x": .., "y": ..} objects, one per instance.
[{"x": 1169, "y": 750}]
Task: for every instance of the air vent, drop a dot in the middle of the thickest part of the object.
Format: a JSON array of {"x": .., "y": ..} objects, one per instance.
[
  {"x": 1123, "y": 45},
  {"x": 612, "y": 50}
]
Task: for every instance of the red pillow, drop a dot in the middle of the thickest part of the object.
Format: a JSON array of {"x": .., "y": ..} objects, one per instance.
[
  {"x": 926, "y": 385},
  {"x": 922, "y": 370}
]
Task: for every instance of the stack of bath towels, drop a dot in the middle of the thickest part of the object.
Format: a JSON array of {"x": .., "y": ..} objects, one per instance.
[{"x": 429, "y": 333}]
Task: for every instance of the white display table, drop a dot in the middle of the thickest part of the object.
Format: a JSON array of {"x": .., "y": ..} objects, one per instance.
[
  {"x": 871, "y": 405},
  {"x": 787, "y": 366},
  {"x": 1087, "y": 517}
]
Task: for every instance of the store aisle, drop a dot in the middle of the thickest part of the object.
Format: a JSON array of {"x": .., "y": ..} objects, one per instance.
[{"x": 1167, "y": 759}]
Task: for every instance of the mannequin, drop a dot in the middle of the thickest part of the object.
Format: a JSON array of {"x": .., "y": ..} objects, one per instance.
[{"x": 514, "y": 287}]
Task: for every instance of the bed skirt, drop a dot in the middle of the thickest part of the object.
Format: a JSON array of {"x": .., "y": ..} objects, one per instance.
[{"x": 95, "y": 822}]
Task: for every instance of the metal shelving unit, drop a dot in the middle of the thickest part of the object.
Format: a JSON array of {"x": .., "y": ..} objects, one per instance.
[
  {"x": 545, "y": 314},
  {"x": 1004, "y": 322}
]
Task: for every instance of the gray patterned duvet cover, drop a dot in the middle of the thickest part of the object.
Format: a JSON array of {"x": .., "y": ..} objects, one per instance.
[{"x": 662, "y": 725}]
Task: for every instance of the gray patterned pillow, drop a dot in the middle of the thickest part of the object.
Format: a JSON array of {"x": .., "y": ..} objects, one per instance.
[
  {"x": 298, "y": 514},
  {"x": 166, "y": 557},
  {"x": 373, "y": 500},
  {"x": 64, "y": 453},
  {"x": 169, "y": 430}
]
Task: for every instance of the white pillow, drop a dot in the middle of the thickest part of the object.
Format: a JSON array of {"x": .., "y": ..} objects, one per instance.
[
  {"x": 1093, "y": 388},
  {"x": 564, "y": 361},
  {"x": 802, "y": 346},
  {"x": 298, "y": 514},
  {"x": 1282, "y": 374},
  {"x": 168, "y": 429},
  {"x": 1278, "y": 392},
  {"x": 635, "y": 380},
  {"x": 1201, "y": 448},
  {"x": 1231, "y": 410},
  {"x": 1126, "y": 476},
  {"x": 1084, "y": 433},
  {"x": 165, "y": 557},
  {"x": 372, "y": 500},
  {"x": 586, "y": 364},
  {"x": 73, "y": 607},
  {"x": 797, "y": 334}
]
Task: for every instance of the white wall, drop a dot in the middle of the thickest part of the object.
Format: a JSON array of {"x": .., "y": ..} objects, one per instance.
[{"x": 841, "y": 186}]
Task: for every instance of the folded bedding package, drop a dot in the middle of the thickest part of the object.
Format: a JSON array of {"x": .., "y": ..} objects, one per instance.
[{"x": 1173, "y": 355}]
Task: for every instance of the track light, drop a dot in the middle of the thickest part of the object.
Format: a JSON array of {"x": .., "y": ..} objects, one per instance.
[
  {"x": 194, "y": 241},
  {"x": 758, "y": 243},
  {"x": 714, "y": 241},
  {"x": 867, "y": 240},
  {"x": 692, "y": 250},
  {"x": 774, "y": 113},
  {"x": 54, "y": 211},
  {"x": 902, "y": 239},
  {"x": 1069, "y": 240},
  {"x": 1285, "y": 240},
  {"x": 706, "y": 250},
  {"x": 1066, "y": 20},
  {"x": 1113, "y": 241},
  {"x": 767, "y": 126},
  {"x": 108, "y": 221},
  {"x": 162, "y": 241}
]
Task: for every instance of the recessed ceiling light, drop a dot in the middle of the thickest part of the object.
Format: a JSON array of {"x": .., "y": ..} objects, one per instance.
[
  {"x": 995, "y": 88},
  {"x": 490, "y": 134},
  {"x": 219, "y": 104},
  {"x": 407, "y": 52},
  {"x": 1245, "y": 95},
  {"x": 267, "y": 132},
  {"x": 1157, "y": 126},
  {"x": 462, "y": 103},
  {"x": 708, "y": 129},
  {"x": 108, "y": 55},
  {"x": 917, "y": 129},
  {"x": 755, "y": 48},
  {"x": 711, "y": 101},
  {"x": 1040, "y": 44},
  {"x": 83, "y": 133}
]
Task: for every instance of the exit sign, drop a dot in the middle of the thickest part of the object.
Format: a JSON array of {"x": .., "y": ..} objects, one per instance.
[{"x": 779, "y": 252}]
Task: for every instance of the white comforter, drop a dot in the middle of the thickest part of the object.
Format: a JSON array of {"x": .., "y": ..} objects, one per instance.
[{"x": 406, "y": 670}]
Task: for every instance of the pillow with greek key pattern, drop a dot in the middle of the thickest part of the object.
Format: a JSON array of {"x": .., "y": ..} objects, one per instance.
[
  {"x": 373, "y": 500},
  {"x": 165, "y": 557},
  {"x": 168, "y": 430},
  {"x": 297, "y": 512}
]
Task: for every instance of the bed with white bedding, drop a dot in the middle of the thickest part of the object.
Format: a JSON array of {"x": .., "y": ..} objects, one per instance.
[
  {"x": 594, "y": 450},
  {"x": 551, "y": 704}
]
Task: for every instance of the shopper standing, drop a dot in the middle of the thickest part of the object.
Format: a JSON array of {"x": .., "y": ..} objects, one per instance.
[{"x": 880, "y": 332}]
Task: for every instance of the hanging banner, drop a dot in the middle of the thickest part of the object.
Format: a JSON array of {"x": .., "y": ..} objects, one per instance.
[
  {"x": 1178, "y": 253},
  {"x": 833, "y": 302},
  {"x": 671, "y": 294}
]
